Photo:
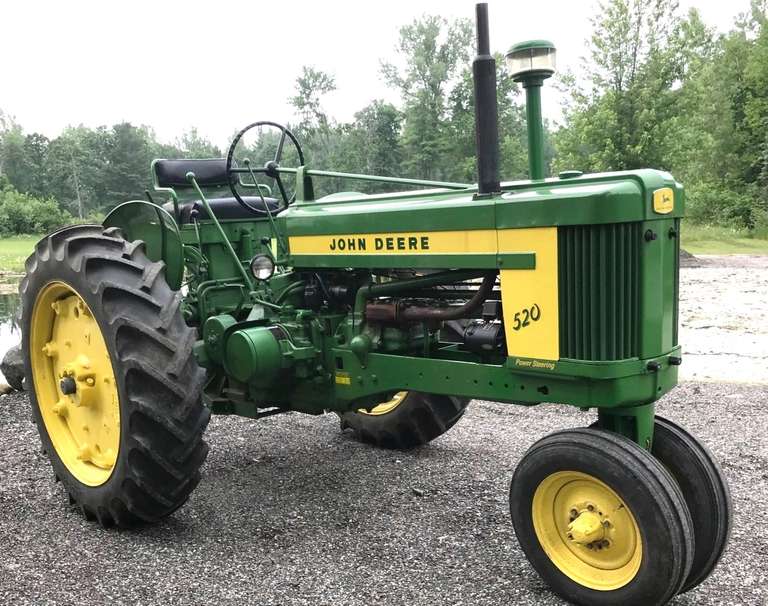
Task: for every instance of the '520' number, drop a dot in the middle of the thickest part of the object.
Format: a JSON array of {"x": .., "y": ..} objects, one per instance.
[{"x": 525, "y": 317}]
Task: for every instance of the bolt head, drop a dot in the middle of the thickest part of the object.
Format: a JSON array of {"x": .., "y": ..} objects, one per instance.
[{"x": 68, "y": 386}]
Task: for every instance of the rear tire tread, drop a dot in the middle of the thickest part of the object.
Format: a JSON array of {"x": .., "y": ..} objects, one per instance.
[
  {"x": 148, "y": 309},
  {"x": 416, "y": 421}
]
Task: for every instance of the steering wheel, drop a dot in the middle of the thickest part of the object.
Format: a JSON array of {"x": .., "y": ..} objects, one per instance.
[{"x": 270, "y": 168}]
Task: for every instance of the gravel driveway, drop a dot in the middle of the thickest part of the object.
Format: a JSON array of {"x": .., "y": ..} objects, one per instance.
[
  {"x": 291, "y": 511},
  {"x": 724, "y": 318}
]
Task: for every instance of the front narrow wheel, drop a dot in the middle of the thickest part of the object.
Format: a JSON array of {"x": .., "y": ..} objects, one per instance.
[
  {"x": 600, "y": 520},
  {"x": 706, "y": 494},
  {"x": 115, "y": 389}
]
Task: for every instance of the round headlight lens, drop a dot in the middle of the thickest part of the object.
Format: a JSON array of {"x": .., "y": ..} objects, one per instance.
[
  {"x": 532, "y": 57},
  {"x": 262, "y": 267}
]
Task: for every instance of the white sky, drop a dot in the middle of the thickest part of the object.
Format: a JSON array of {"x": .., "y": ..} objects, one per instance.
[{"x": 171, "y": 64}]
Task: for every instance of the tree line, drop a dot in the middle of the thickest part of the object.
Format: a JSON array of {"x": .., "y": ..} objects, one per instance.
[{"x": 657, "y": 88}]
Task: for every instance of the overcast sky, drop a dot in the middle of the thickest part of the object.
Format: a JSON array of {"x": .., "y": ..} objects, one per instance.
[{"x": 220, "y": 64}]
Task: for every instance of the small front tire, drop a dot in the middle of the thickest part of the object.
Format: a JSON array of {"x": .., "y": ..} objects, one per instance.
[
  {"x": 601, "y": 520},
  {"x": 705, "y": 491}
]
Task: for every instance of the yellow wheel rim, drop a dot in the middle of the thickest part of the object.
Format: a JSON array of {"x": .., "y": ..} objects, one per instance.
[
  {"x": 385, "y": 407},
  {"x": 75, "y": 384},
  {"x": 586, "y": 530}
]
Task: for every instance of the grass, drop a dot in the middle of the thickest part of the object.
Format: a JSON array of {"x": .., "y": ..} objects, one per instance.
[
  {"x": 697, "y": 240},
  {"x": 713, "y": 240},
  {"x": 14, "y": 250}
]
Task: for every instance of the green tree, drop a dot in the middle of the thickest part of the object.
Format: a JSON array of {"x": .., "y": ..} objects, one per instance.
[
  {"x": 36, "y": 178},
  {"x": 12, "y": 158},
  {"x": 375, "y": 139},
  {"x": 631, "y": 68},
  {"x": 193, "y": 145},
  {"x": 325, "y": 143},
  {"x": 513, "y": 150},
  {"x": 128, "y": 155},
  {"x": 22, "y": 213},
  {"x": 76, "y": 169},
  {"x": 311, "y": 86},
  {"x": 433, "y": 53}
]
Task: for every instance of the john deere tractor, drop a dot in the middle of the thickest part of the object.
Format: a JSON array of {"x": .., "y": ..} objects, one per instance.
[{"x": 243, "y": 292}]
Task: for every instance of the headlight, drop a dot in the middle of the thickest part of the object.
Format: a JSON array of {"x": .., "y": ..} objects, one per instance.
[
  {"x": 532, "y": 57},
  {"x": 262, "y": 267}
]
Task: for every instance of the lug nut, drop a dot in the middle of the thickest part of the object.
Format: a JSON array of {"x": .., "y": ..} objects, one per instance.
[
  {"x": 60, "y": 408},
  {"x": 84, "y": 453}
]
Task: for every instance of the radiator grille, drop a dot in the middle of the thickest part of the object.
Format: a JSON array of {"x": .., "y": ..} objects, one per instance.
[{"x": 599, "y": 267}]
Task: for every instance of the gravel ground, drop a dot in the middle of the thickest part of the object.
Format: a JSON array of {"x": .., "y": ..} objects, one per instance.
[
  {"x": 291, "y": 511},
  {"x": 724, "y": 318}
]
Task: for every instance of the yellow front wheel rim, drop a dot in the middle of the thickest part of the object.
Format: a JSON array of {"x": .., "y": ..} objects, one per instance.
[
  {"x": 586, "y": 530},
  {"x": 75, "y": 384},
  {"x": 385, "y": 407}
]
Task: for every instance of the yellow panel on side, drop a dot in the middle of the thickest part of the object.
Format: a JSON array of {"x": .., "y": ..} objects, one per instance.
[
  {"x": 477, "y": 241},
  {"x": 529, "y": 296}
]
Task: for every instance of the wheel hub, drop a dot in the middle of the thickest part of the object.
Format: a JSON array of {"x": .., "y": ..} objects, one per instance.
[
  {"x": 75, "y": 384},
  {"x": 587, "y": 530}
]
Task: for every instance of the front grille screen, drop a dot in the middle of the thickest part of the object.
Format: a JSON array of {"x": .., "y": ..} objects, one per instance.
[{"x": 599, "y": 271}]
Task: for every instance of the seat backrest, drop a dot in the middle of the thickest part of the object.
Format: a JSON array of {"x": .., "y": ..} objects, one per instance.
[{"x": 210, "y": 172}]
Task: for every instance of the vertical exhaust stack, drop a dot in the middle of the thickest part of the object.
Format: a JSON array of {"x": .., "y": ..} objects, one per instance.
[{"x": 486, "y": 116}]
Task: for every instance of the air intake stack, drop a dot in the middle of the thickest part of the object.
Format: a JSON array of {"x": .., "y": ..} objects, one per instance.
[{"x": 486, "y": 118}]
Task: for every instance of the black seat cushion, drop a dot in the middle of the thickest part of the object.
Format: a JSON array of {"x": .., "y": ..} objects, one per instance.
[
  {"x": 223, "y": 208},
  {"x": 210, "y": 172}
]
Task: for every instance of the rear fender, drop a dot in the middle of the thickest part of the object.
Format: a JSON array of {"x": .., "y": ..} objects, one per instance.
[{"x": 141, "y": 220}]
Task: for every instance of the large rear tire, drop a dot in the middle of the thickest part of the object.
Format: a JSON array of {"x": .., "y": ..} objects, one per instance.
[
  {"x": 115, "y": 390},
  {"x": 408, "y": 420}
]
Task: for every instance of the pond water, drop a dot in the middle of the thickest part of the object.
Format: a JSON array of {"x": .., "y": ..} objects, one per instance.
[{"x": 10, "y": 333}]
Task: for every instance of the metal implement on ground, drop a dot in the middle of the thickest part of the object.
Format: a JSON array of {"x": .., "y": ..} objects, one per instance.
[{"x": 391, "y": 310}]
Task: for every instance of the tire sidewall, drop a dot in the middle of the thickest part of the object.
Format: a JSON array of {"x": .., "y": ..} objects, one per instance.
[{"x": 705, "y": 491}]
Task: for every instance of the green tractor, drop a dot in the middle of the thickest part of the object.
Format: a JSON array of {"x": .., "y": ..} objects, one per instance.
[{"x": 392, "y": 311}]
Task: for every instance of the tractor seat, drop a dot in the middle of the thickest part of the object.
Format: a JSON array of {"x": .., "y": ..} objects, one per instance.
[{"x": 223, "y": 208}]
